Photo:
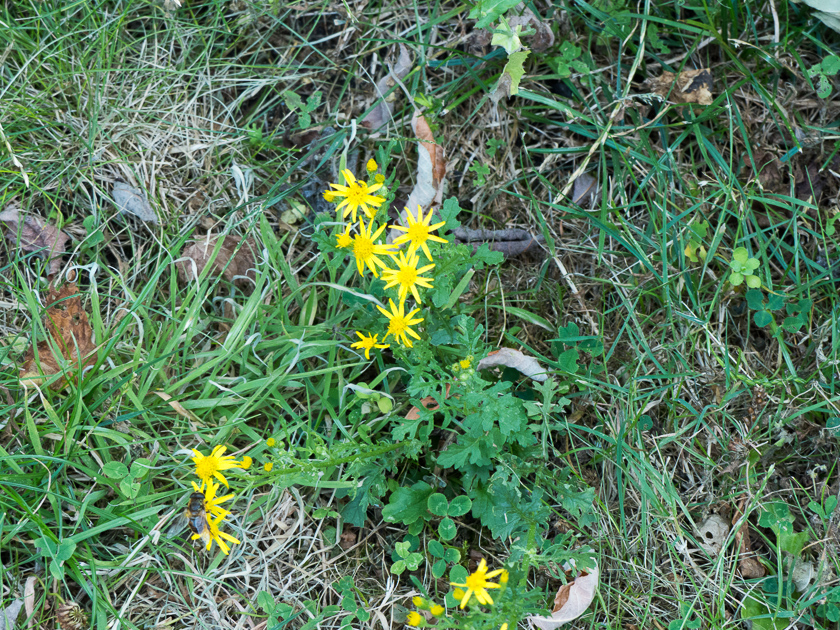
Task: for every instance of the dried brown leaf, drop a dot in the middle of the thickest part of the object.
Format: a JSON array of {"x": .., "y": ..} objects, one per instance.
[
  {"x": 508, "y": 357},
  {"x": 131, "y": 200},
  {"x": 584, "y": 190},
  {"x": 690, "y": 86},
  {"x": 381, "y": 114},
  {"x": 429, "y": 403},
  {"x": 749, "y": 566},
  {"x": 36, "y": 236},
  {"x": 235, "y": 260},
  {"x": 71, "y": 340},
  {"x": 542, "y": 38},
  {"x": 571, "y": 602}
]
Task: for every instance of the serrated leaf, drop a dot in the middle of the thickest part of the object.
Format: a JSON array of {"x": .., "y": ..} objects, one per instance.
[
  {"x": 515, "y": 69},
  {"x": 406, "y": 505},
  {"x": 447, "y": 529},
  {"x": 488, "y": 11},
  {"x": 437, "y": 504},
  {"x": 459, "y": 506}
]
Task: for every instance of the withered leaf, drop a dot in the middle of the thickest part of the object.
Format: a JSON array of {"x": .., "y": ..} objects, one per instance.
[
  {"x": 508, "y": 357},
  {"x": 36, "y": 236},
  {"x": 384, "y": 109},
  {"x": 237, "y": 263},
  {"x": 132, "y": 200},
  {"x": 543, "y": 37},
  {"x": 585, "y": 189},
  {"x": 571, "y": 602},
  {"x": 690, "y": 86},
  {"x": 429, "y": 402},
  {"x": 70, "y": 346}
]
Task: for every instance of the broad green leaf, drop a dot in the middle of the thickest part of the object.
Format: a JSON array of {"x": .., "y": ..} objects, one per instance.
[
  {"x": 507, "y": 37},
  {"x": 762, "y": 319},
  {"x": 398, "y": 567},
  {"x": 736, "y": 278},
  {"x": 488, "y": 11},
  {"x": 438, "y": 569},
  {"x": 436, "y": 549},
  {"x": 447, "y": 529},
  {"x": 753, "y": 281},
  {"x": 115, "y": 470},
  {"x": 406, "y": 505}
]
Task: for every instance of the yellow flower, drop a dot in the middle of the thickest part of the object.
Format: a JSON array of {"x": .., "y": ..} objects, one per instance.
[
  {"x": 465, "y": 363},
  {"x": 366, "y": 251},
  {"x": 399, "y": 323},
  {"x": 270, "y": 442},
  {"x": 418, "y": 601},
  {"x": 208, "y": 466},
  {"x": 368, "y": 343},
  {"x": 458, "y": 594},
  {"x": 477, "y": 583},
  {"x": 218, "y": 536},
  {"x": 504, "y": 627},
  {"x": 211, "y": 501},
  {"x": 418, "y": 232},
  {"x": 330, "y": 195},
  {"x": 371, "y": 165},
  {"x": 267, "y": 467},
  {"x": 356, "y": 195},
  {"x": 437, "y": 610},
  {"x": 414, "y": 619},
  {"x": 408, "y": 276},
  {"x": 344, "y": 239},
  {"x": 246, "y": 462},
  {"x": 379, "y": 178},
  {"x": 503, "y": 578}
]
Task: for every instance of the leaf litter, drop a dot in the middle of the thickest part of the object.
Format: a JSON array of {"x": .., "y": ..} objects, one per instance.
[
  {"x": 35, "y": 236},
  {"x": 131, "y": 200},
  {"x": 571, "y": 601},
  {"x": 235, "y": 260}
]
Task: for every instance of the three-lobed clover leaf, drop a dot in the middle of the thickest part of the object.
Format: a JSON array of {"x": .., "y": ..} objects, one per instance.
[
  {"x": 439, "y": 506},
  {"x": 742, "y": 267}
]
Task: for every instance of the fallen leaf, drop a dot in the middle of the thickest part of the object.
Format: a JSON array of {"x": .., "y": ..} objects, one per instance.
[
  {"x": 36, "y": 236},
  {"x": 383, "y": 111},
  {"x": 348, "y": 539},
  {"x": 571, "y": 602},
  {"x": 584, "y": 190},
  {"x": 178, "y": 407},
  {"x": 542, "y": 38},
  {"x": 71, "y": 337},
  {"x": 237, "y": 263},
  {"x": 712, "y": 534},
  {"x": 510, "y": 242},
  {"x": 297, "y": 212},
  {"x": 508, "y": 357},
  {"x": 29, "y": 598},
  {"x": 133, "y": 201},
  {"x": 9, "y": 615},
  {"x": 690, "y": 86},
  {"x": 748, "y": 565},
  {"x": 803, "y": 574}
]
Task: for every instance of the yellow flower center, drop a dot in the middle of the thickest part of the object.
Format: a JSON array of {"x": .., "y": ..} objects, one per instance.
[
  {"x": 207, "y": 467},
  {"x": 476, "y": 581},
  {"x": 418, "y": 232},
  {"x": 356, "y": 194},
  {"x": 397, "y": 326},
  {"x": 407, "y": 276},
  {"x": 362, "y": 248}
]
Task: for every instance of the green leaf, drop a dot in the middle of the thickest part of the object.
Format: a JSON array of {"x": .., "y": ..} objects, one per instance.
[
  {"x": 406, "y": 505},
  {"x": 775, "y": 302},
  {"x": 762, "y": 319},
  {"x": 831, "y": 65},
  {"x": 402, "y": 549},
  {"x": 436, "y": 549},
  {"x": 447, "y": 529},
  {"x": 515, "y": 69},
  {"x": 413, "y": 561},
  {"x": 448, "y": 213},
  {"x": 385, "y": 404},
  {"x": 459, "y": 506},
  {"x": 115, "y": 470},
  {"x": 140, "y": 467},
  {"x": 753, "y": 281},
  {"x": 507, "y": 37},
  {"x": 568, "y": 361},
  {"x": 437, "y": 504},
  {"x": 793, "y": 543},
  {"x": 736, "y": 278},
  {"x": 488, "y": 11},
  {"x": 65, "y": 551},
  {"x": 775, "y": 515},
  {"x": 438, "y": 569},
  {"x": 755, "y": 299},
  {"x": 398, "y": 567},
  {"x": 761, "y": 616},
  {"x": 452, "y": 555},
  {"x": 265, "y": 601},
  {"x": 740, "y": 256},
  {"x": 792, "y": 324},
  {"x": 817, "y": 508},
  {"x": 823, "y": 86}
]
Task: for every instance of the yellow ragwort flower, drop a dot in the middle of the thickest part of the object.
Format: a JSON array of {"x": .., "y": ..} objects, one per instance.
[
  {"x": 268, "y": 466},
  {"x": 437, "y": 610},
  {"x": 246, "y": 462},
  {"x": 330, "y": 195},
  {"x": 418, "y": 601},
  {"x": 418, "y": 232},
  {"x": 357, "y": 194},
  {"x": 399, "y": 324},
  {"x": 371, "y": 165},
  {"x": 477, "y": 583},
  {"x": 464, "y": 363},
  {"x": 212, "y": 503},
  {"x": 344, "y": 239},
  {"x": 368, "y": 343},
  {"x": 218, "y": 536},
  {"x": 366, "y": 251},
  {"x": 414, "y": 619},
  {"x": 407, "y": 276},
  {"x": 270, "y": 442},
  {"x": 379, "y": 178},
  {"x": 208, "y": 466}
]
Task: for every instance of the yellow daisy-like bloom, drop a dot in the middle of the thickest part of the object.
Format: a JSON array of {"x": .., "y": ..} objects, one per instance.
[
  {"x": 418, "y": 232},
  {"x": 408, "y": 276},
  {"x": 344, "y": 239},
  {"x": 414, "y": 619},
  {"x": 209, "y": 466},
  {"x": 371, "y": 165},
  {"x": 368, "y": 343},
  {"x": 464, "y": 363},
  {"x": 366, "y": 251},
  {"x": 246, "y": 462},
  {"x": 211, "y": 501},
  {"x": 330, "y": 195},
  {"x": 418, "y": 601},
  {"x": 267, "y": 467},
  {"x": 357, "y": 194},
  {"x": 270, "y": 442},
  {"x": 477, "y": 583},
  {"x": 437, "y": 610},
  {"x": 399, "y": 324},
  {"x": 218, "y": 536}
]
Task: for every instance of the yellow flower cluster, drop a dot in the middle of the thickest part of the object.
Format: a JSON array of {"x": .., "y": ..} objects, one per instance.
[
  {"x": 208, "y": 467},
  {"x": 356, "y": 198}
]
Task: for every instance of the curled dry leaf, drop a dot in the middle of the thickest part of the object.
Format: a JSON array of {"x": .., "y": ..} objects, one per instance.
[
  {"x": 585, "y": 189},
  {"x": 712, "y": 534},
  {"x": 29, "y": 597},
  {"x": 571, "y": 602},
  {"x": 384, "y": 109},
  {"x": 690, "y": 86},
  {"x": 511, "y": 242},
  {"x": 748, "y": 564},
  {"x": 70, "y": 346},
  {"x": 9, "y": 614},
  {"x": 235, "y": 260},
  {"x": 508, "y": 357},
  {"x": 131, "y": 200},
  {"x": 36, "y": 236}
]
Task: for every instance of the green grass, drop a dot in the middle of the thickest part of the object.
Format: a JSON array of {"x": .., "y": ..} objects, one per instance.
[{"x": 680, "y": 404}]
